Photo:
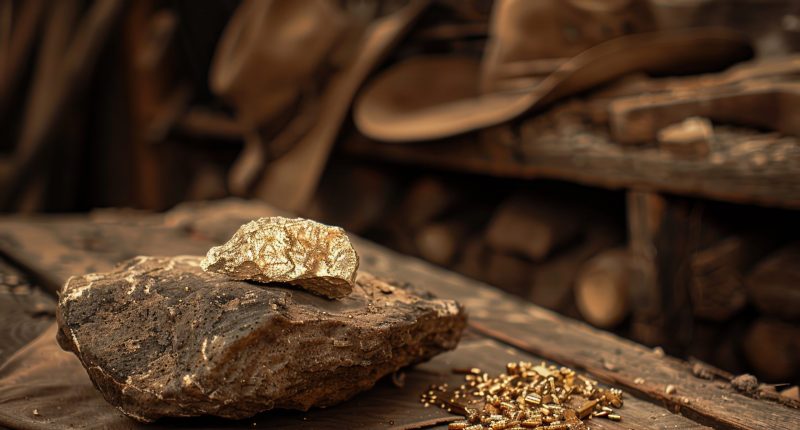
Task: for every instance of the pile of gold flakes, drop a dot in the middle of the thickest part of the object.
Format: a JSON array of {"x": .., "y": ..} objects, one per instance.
[{"x": 527, "y": 396}]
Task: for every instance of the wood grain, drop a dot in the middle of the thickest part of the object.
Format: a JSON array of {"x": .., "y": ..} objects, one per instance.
[
  {"x": 61, "y": 380},
  {"x": 572, "y": 343},
  {"x": 492, "y": 313},
  {"x": 25, "y": 310},
  {"x": 54, "y": 251},
  {"x": 585, "y": 154}
]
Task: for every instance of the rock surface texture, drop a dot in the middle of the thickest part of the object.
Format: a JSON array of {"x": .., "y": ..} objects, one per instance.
[
  {"x": 159, "y": 336},
  {"x": 313, "y": 256}
]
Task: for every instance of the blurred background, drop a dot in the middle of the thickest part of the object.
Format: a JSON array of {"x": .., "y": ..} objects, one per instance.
[{"x": 630, "y": 163}]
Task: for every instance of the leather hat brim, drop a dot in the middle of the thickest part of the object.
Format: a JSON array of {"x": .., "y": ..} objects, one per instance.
[{"x": 424, "y": 98}]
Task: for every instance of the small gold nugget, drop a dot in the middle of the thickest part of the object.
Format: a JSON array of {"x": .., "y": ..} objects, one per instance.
[
  {"x": 527, "y": 396},
  {"x": 301, "y": 252}
]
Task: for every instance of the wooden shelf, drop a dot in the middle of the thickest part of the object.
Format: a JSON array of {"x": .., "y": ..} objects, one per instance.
[{"x": 744, "y": 165}]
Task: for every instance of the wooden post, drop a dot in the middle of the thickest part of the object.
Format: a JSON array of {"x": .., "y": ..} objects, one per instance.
[
  {"x": 661, "y": 236},
  {"x": 147, "y": 82},
  {"x": 645, "y": 216}
]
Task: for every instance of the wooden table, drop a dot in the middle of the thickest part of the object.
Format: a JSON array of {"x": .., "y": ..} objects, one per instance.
[{"x": 48, "y": 250}]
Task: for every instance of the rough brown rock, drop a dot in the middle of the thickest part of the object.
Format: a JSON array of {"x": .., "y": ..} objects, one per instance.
[
  {"x": 298, "y": 251},
  {"x": 161, "y": 337}
]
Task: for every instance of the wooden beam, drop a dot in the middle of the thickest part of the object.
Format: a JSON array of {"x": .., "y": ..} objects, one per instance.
[
  {"x": 646, "y": 212},
  {"x": 736, "y": 170}
]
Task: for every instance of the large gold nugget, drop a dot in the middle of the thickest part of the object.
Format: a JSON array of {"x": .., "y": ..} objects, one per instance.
[{"x": 313, "y": 256}]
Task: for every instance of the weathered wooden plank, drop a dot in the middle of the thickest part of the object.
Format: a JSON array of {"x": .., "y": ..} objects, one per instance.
[
  {"x": 25, "y": 310},
  {"x": 586, "y": 155},
  {"x": 526, "y": 326},
  {"x": 57, "y": 247},
  {"x": 54, "y": 251},
  {"x": 122, "y": 230},
  {"x": 491, "y": 356}
]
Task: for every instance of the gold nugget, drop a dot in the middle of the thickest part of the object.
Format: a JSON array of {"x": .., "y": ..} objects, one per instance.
[
  {"x": 301, "y": 252},
  {"x": 529, "y": 396}
]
